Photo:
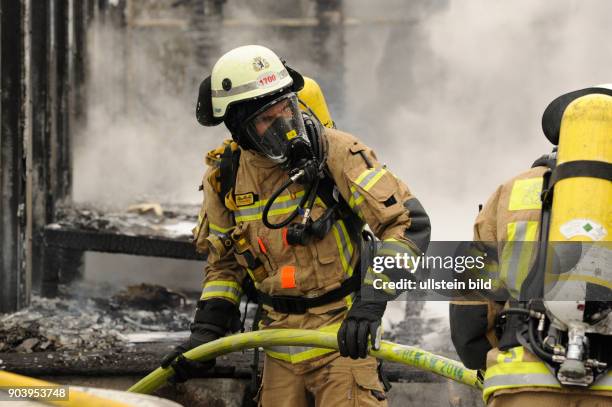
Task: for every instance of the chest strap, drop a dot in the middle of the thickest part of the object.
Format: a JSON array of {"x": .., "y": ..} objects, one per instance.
[{"x": 299, "y": 305}]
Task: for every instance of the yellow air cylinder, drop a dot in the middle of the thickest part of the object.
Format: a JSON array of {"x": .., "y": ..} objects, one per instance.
[
  {"x": 581, "y": 209},
  {"x": 312, "y": 96}
]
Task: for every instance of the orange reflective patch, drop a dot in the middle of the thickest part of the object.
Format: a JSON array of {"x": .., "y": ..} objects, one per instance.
[
  {"x": 288, "y": 277},
  {"x": 285, "y": 237}
]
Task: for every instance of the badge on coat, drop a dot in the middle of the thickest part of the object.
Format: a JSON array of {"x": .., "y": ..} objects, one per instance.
[{"x": 245, "y": 199}]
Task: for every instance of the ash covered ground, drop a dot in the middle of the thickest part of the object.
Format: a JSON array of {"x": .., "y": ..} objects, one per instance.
[
  {"x": 73, "y": 322},
  {"x": 92, "y": 328}
]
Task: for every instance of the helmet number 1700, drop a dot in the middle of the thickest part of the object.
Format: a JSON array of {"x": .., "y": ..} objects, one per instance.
[{"x": 266, "y": 80}]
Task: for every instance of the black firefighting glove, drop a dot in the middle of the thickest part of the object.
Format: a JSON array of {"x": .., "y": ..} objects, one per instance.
[
  {"x": 184, "y": 368},
  {"x": 362, "y": 321},
  {"x": 213, "y": 319}
]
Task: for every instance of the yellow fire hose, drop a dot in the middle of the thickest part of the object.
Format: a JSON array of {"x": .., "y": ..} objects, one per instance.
[
  {"x": 407, "y": 355},
  {"x": 75, "y": 398}
]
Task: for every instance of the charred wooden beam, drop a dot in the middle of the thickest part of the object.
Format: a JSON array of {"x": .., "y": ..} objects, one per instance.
[
  {"x": 14, "y": 279},
  {"x": 109, "y": 242},
  {"x": 62, "y": 145},
  {"x": 81, "y": 68},
  {"x": 62, "y": 266},
  {"x": 68, "y": 19},
  {"x": 42, "y": 75},
  {"x": 119, "y": 361}
]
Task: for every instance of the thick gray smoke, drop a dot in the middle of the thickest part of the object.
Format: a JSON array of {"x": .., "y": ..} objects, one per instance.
[
  {"x": 454, "y": 101},
  {"x": 449, "y": 93},
  {"x": 141, "y": 142}
]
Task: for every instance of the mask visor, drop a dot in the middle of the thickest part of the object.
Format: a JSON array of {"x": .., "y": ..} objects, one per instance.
[{"x": 274, "y": 126}]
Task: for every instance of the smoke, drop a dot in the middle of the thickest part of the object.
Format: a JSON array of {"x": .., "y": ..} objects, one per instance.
[
  {"x": 141, "y": 141},
  {"x": 453, "y": 101},
  {"x": 448, "y": 92}
]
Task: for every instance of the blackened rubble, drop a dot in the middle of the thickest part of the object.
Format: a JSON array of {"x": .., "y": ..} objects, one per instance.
[
  {"x": 148, "y": 230},
  {"x": 96, "y": 323}
]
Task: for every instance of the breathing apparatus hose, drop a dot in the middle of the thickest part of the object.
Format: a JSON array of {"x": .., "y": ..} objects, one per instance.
[
  {"x": 535, "y": 343},
  {"x": 309, "y": 169},
  {"x": 535, "y": 339},
  {"x": 273, "y": 198},
  {"x": 404, "y": 354}
]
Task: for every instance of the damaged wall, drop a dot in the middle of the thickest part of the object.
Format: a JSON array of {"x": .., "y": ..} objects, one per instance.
[
  {"x": 43, "y": 73},
  {"x": 15, "y": 262}
]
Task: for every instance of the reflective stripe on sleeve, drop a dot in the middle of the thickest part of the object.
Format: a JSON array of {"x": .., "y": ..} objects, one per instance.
[
  {"x": 365, "y": 180},
  {"x": 222, "y": 289}
]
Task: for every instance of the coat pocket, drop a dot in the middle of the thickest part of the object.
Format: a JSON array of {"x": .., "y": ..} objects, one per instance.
[
  {"x": 326, "y": 249},
  {"x": 369, "y": 390}
]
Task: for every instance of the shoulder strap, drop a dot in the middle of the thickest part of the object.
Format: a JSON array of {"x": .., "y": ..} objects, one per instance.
[
  {"x": 533, "y": 285},
  {"x": 228, "y": 171},
  {"x": 339, "y": 205}
]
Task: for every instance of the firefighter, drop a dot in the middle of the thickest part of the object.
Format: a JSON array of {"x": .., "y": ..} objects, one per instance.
[
  {"x": 522, "y": 344},
  {"x": 285, "y": 205}
]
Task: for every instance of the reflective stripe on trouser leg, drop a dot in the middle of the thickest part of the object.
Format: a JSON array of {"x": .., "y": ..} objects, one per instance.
[{"x": 296, "y": 354}]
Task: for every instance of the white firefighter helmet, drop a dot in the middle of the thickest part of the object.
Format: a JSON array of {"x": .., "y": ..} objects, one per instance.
[{"x": 244, "y": 73}]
